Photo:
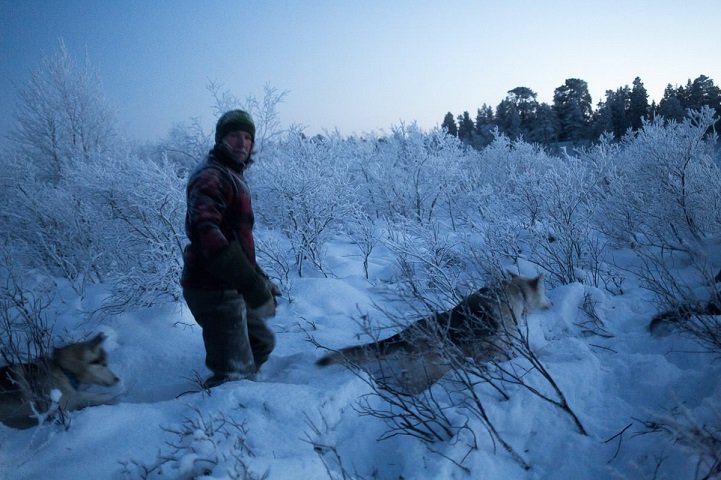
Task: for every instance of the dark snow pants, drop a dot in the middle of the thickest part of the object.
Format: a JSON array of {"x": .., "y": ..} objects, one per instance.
[{"x": 236, "y": 343}]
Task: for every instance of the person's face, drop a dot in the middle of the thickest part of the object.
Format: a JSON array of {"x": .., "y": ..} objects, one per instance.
[{"x": 239, "y": 144}]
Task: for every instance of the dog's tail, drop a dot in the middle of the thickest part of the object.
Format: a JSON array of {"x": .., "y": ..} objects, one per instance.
[
  {"x": 662, "y": 323},
  {"x": 365, "y": 353},
  {"x": 352, "y": 355}
]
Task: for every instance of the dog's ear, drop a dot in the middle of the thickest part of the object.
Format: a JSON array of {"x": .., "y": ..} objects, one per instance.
[{"x": 97, "y": 340}]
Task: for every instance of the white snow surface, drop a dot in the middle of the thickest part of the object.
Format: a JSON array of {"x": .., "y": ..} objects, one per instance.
[{"x": 298, "y": 421}]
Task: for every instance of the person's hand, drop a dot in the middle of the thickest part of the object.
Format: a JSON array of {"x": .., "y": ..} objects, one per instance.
[
  {"x": 274, "y": 289},
  {"x": 265, "y": 310}
]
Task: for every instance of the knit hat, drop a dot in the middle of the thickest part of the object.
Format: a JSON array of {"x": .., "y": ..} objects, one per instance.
[{"x": 234, "y": 120}]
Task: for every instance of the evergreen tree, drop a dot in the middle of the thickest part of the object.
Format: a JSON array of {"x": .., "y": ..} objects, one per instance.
[
  {"x": 465, "y": 127},
  {"x": 485, "y": 124},
  {"x": 526, "y": 105},
  {"x": 546, "y": 128},
  {"x": 670, "y": 107},
  {"x": 602, "y": 121},
  {"x": 702, "y": 92},
  {"x": 508, "y": 119},
  {"x": 618, "y": 103},
  {"x": 638, "y": 108},
  {"x": 449, "y": 125},
  {"x": 572, "y": 104}
]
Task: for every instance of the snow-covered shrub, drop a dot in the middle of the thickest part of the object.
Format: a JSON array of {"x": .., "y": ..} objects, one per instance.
[
  {"x": 26, "y": 329},
  {"x": 566, "y": 243},
  {"x": 430, "y": 260},
  {"x": 212, "y": 446},
  {"x": 116, "y": 218},
  {"x": 303, "y": 189},
  {"x": 276, "y": 259},
  {"x": 536, "y": 207},
  {"x": 411, "y": 174},
  {"x": 62, "y": 116},
  {"x": 666, "y": 186},
  {"x": 663, "y": 199},
  {"x": 693, "y": 433},
  {"x": 52, "y": 227},
  {"x": 363, "y": 232},
  {"x": 186, "y": 144},
  {"x": 141, "y": 234},
  {"x": 26, "y": 336}
]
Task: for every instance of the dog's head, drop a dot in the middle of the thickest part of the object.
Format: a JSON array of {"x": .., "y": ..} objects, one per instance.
[
  {"x": 87, "y": 361},
  {"x": 533, "y": 290}
]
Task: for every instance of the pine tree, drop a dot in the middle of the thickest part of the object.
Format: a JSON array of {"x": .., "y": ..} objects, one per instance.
[
  {"x": 601, "y": 122},
  {"x": 619, "y": 105},
  {"x": 546, "y": 128},
  {"x": 485, "y": 124},
  {"x": 465, "y": 126},
  {"x": 526, "y": 105},
  {"x": 638, "y": 108},
  {"x": 702, "y": 92},
  {"x": 572, "y": 104},
  {"x": 508, "y": 119},
  {"x": 449, "y": 125},
  {"x": 670, "y": 107}
]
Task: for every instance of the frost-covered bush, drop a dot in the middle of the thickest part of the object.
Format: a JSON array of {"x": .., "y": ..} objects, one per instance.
[
  {"x": 52, "y": 227},
  {"x": 661, "y": 196},
  {"x": 212, "y": 446},
  {"x": 695, "y": 433},
  {"x": 303, "y": 188},
  {"x": 140, "y": 235},
  {"x": 412, "y": 174},
  {"x": 665, "y": 190},
  {"x": 536, "y": 207},
  {"x": 26, "y": 327},
  {"x": 115, "y": 218},
  {"x": 566, "y": 242},
  {"x": 62, "y": 116},
  {"x": 430, "y": 261}
]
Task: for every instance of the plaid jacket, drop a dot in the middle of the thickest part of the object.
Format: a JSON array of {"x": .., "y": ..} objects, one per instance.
[{"x": 219, "y": 211}]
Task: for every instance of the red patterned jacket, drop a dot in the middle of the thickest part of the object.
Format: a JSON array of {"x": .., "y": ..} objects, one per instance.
[{"x": 219, "y": 211}]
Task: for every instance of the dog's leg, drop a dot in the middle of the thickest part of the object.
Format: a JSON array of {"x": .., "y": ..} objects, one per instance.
[{"x": 89, "y": 399}]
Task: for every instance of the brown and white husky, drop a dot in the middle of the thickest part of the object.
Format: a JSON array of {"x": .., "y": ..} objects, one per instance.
[
  {"x": 27, "y": 391},
  {"x": 477, "y": 327}
]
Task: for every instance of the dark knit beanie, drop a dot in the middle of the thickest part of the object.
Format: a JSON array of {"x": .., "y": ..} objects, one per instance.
[{"x": 234, "y": 120}]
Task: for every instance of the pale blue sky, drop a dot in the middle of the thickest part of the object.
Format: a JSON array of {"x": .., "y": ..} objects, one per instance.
[{"x": 358, "y": 66}]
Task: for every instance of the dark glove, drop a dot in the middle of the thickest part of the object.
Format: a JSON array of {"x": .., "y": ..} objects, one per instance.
[
  {"x": 265, "y": 310},
  {"x": 233, "y": 266},
  {"x": 274, "y": 289}
]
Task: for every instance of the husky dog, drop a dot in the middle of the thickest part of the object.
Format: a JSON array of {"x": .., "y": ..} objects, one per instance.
[
  {"x": 680, "y": 315},
  {"x": 663, "y": 323},
  {"x": 478, "y": 327},
  {"x": 26, "y": 389}
]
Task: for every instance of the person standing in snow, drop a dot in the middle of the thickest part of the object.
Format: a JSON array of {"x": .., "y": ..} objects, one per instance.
[{"x": 226, "y": 291}]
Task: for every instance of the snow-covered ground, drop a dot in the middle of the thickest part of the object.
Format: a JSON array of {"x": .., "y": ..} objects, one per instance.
[{"x": 296, "y": 421}]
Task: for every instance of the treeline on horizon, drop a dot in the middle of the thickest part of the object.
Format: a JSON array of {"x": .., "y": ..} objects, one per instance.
[{"x": 571, "y": 119}]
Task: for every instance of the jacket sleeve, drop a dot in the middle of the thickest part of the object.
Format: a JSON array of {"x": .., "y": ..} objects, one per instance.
[{"x": 208, "y": 197}]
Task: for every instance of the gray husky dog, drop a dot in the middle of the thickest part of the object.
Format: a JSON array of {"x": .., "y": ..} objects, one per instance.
[
  {"x": 27, "y": 390},
  {"x": 478, "y": 327},
  {"x": 682, "y": 314}
]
